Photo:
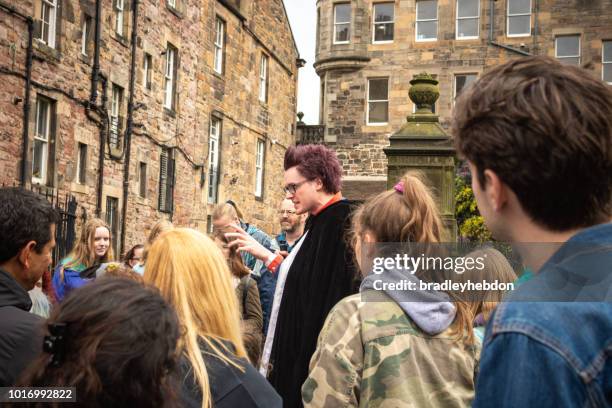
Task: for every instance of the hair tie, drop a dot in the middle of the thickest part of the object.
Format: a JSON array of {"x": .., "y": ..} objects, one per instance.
[
  {"x": 399, "y": 187},
  {"x": 54, "y": 343}
]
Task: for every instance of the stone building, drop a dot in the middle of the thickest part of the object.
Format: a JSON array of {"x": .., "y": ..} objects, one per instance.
[
  {"x": 149, "y": 109},
  {"x": 368, "y": 51}
]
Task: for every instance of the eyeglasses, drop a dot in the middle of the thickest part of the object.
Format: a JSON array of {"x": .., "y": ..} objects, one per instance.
[
  {"x": 288, "y": 212},
  {"x": 291, "y": 188}
]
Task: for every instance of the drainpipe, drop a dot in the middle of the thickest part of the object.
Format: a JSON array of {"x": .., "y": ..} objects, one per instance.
[
  {"x": 93, "y": 95},
  {"x": 28, "y": 86},
  {"x": 491, "y": 25},
  {"x": 103, "y": 128},
  {"x": 129, "y": 126}
]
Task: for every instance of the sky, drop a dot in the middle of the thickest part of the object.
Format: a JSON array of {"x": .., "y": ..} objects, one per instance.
[{"x": 303, "y": 19}]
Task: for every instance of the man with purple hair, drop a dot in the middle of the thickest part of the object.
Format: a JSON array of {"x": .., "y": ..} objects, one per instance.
[{"x": 318, "y": 272}]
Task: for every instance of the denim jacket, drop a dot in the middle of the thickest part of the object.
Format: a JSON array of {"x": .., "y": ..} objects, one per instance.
[{"x": 550, "y": 343}]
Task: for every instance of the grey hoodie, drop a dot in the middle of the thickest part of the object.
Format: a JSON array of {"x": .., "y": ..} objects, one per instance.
[{"x": 432, "y": 311}]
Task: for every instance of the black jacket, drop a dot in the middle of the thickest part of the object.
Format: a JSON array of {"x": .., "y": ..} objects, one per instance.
[
  {"x": 229, "y": 386},
  {"x": 20, "y": 331}
]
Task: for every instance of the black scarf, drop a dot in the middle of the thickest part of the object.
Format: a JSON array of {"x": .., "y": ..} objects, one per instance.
[{"x": 322, "y": 273}]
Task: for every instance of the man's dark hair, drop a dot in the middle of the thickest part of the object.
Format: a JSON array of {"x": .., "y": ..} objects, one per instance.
[
  {"x": 545, "y": 129},
  {"x": 24, "y": 216}
]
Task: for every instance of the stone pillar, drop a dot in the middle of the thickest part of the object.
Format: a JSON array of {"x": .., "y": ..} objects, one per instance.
[{"x": 422, "y": 144}]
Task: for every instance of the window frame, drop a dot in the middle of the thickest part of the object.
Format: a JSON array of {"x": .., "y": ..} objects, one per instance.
[
  {"x": 44, "y": 139},
  {"x": 264, "y": 67},
  {"x": 147, "y": 71},
  {"x": 172, "y": 3},
  {"x": 336, "y": 24},
  {"x": 51, "y": 24},
  {"x": 605, "y": 62},
  {"x": 81, "y": 168},
  {"x": 508, "y": 16},
  {"x": 260, "y": 153},
  {"x": 579, "y": 56},
  {"x": 368, "y": 123},
  {"x": 374, "y": 23},
  {"x": 85, "y": 33},
  {"x": 214, "y": 140},
  {"x": 170, "y": 77},
  {"x": 219, "y": 46},
  {"x": 115, "y": 114},
  {"x": 119, "y": 16},
  {"x": 417, "y": 21},
  {"x": 457, "y": 18}
]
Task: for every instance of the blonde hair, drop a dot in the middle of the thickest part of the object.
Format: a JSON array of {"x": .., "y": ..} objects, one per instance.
[
  {"x": 83, "y": 251},
  {"x": 496, "y": 268},
  {"x": 410, "y": 215},
  {"x": 158, "y": 228},
  {"x": 226, "y": 210},
  {"x": 192, "y": 274}
]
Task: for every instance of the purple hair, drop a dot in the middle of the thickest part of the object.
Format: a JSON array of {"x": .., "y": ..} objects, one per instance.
[{"x": 316, "y": 162}]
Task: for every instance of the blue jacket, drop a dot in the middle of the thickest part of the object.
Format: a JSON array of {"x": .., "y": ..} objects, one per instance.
[
  {"x": 550, "y": 343},
  {"x": 71, "y": 279}
]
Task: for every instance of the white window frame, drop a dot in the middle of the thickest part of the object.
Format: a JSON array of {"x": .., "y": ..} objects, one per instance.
[
  {"x": 455, "y": 81},
  {"x": 213, "y": 160},
  {"x": 476, "y": 17},
  {"x": 342, "y": 23},
  {"x": 376, "y": 100},
  {"x": 219, "y": 44},
  {"x": 374, "y": 23},
  {"x": 508, "y": 15},
  {"x": 259, "y": 167},
  {"x": 119, "y": 16},
  {"x": 43, "y": 138},
  {"x": 263, "y": 78},
  {"x": 84, "y": 35},
  {"x": 169, "y": 78},
  {"x": 579, "y": 56},
  {"x": 427, "y": 20},
  {"x": 172, "y": 3},
  {"x": 51, "y": 6},
  {"x": 605, "y": 62}
]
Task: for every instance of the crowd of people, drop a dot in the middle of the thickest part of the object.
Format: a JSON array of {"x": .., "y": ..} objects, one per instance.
[{"x": 238, "y": 318}]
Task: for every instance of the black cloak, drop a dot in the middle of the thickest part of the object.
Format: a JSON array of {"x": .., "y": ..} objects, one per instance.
[{"x": 322, "y": 273}]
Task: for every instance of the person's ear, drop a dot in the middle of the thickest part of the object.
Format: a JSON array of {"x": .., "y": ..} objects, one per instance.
[
  {"x": 369, "y": 238},
  {"x": 318, "y": 184},
  {"x": 495, "y": 190},
  {"x": 25, "y": 252}
]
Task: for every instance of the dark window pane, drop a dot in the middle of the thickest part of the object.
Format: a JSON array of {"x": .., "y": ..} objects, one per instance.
[
  {"x": 607, "y": 73},
  {"x": 568, "y": 46},
  {"x": 467, "y": 8},
  {"x": 427, "y": 30},
  {"x": 383, "y": 12},
  {"x": 343, "y": 13},
  {"x": 342, "y": 32},
  {"x": 607, "y": 51},
  {"x": 519, "y": 6},
  {"x": 378, "y": 89},
  {"x": 427, "y": 9},
  {"x": 519, "y": 25},
  {"x": 383, "y": 32},
  {"x": 378, "y": 112},
  {"x": 467, "y": 27}
]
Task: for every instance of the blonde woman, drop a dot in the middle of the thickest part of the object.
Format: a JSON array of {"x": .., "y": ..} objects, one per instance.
[
  {"x": 192, "y": 274},
  {"x": 93, "y": 247},
  {"x": 401, "y": 348}
]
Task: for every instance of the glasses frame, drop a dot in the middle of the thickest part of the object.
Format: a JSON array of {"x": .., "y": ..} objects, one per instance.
[{"x": 292, "y": 188}]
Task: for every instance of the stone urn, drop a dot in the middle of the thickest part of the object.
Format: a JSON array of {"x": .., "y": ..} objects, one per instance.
[{"x": 424, "y": 92}]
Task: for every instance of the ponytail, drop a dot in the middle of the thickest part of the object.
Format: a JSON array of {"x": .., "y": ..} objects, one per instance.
[{"x": 424, "y": 223}]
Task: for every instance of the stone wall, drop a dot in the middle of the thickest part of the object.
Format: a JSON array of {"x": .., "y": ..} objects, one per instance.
[
  {"x": 63, "y": 75},
  {"x": 345, "y": 68}
]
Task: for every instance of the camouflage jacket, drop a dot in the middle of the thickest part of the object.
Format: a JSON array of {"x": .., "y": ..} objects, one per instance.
[{"x": 372, "y": 355}]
